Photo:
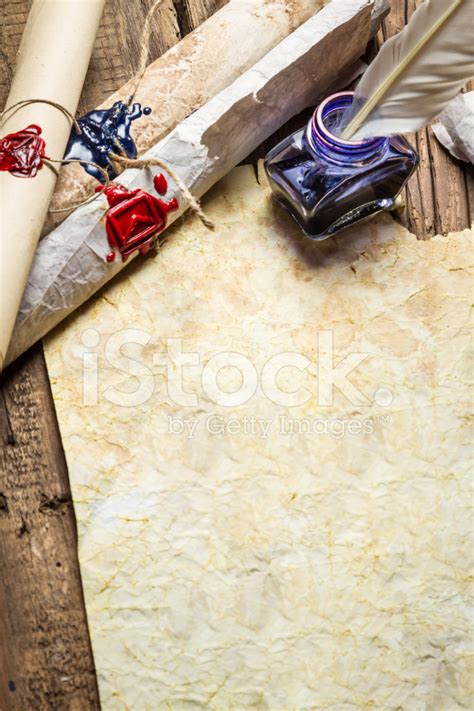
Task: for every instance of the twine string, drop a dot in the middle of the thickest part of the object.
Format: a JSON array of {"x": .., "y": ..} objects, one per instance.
[
  {"x": 20, "y": 104},
  {"x": 145, "y": 50},
  {"x": 193, "y": 202},
  {"x": 119, "y": 161},
  {"x": 88, "y": 199}
]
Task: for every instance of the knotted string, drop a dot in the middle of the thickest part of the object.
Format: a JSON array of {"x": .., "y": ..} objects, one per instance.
[
  {"x": 194, "y": 205},
  {"x": 119, "y": 161},
  {"x": 122, "y": 161}
]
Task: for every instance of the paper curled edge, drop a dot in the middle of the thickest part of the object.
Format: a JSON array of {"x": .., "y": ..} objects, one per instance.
[{"x": 70, "y": 263}]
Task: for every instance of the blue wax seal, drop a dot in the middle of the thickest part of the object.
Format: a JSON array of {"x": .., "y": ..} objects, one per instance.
[{"x": 103, "y": 132}]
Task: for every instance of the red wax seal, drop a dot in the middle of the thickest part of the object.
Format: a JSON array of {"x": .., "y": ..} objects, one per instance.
[
  {"x": 135, "y": 218},
  {"x": 22, "y": 153}
]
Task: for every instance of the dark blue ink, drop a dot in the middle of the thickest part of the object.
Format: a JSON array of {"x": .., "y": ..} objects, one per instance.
[
  {"x": 12, "y": 685},
  {"x": 104, "y": 132},
  {"x": 328, "y": 184}
]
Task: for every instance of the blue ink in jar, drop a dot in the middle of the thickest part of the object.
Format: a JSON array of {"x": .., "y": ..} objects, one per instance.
[
  {"x": 104, "y": 131},
  {"x": 328, "y": 184}
]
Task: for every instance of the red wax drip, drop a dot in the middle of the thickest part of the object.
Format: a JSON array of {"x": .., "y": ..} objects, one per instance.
[
  {"x": 135, "y": 218},
  {"x": 161, "y": 184},
  {"x": 22, "y": 153}
]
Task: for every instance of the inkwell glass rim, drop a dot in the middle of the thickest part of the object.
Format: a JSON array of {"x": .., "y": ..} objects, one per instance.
[{"x": 332, "y": 147}]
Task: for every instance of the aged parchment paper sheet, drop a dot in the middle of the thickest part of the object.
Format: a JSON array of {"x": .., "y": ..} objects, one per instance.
[
  {"x": 70, "y": 263},
  {"x": 267, "y": 555}
]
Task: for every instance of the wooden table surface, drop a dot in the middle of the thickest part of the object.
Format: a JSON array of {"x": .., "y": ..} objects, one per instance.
[{"x": 45, "y": 654}]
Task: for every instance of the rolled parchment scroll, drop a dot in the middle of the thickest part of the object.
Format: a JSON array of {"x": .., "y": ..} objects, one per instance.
[
  {"x": 189, "y": 74},
  {"x": 70, "y": 263},
  {"x": 52, "y": 62}
]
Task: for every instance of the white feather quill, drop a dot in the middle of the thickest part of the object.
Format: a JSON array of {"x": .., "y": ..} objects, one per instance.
[{"x": 417, "y": 72}]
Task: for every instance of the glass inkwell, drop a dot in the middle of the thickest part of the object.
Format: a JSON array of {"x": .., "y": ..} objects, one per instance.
[{"x": 328, "y": 184}]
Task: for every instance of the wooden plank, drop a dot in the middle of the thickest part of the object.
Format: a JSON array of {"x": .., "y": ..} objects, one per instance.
[
  {"x": 45, "y": 655},
  {"x": 437, "y": 196},
  {"x": 191, "y": 13},
  {"x": 118, "y": 45}
]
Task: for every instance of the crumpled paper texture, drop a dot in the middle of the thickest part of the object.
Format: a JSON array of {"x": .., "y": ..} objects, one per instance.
[
  {"x": 234, "y": 570},
  {"x": 70, "y": 263},
  {"x": 455, "y": 127},
  {"x": 191, "y": 73}
]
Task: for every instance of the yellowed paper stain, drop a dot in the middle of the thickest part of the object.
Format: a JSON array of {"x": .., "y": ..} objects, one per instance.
[{"x": 270, "y": 555}]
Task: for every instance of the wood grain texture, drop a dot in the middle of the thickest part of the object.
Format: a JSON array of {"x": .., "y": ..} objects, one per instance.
[
  {"x": 436, "y": 197},
  {"x": 45, "y": 656},
  {"x": 439, "y": 198}
]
